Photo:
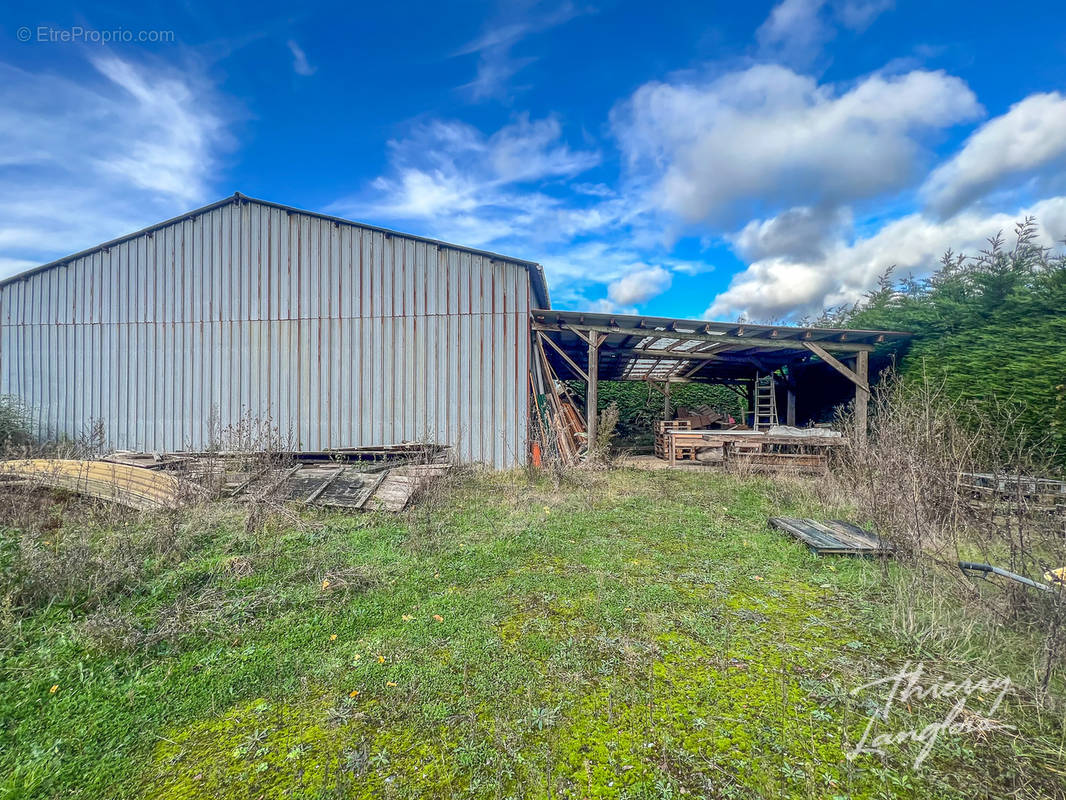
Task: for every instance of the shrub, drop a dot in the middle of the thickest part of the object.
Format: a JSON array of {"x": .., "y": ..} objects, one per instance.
[
  {"x": 15, "y": 423},
  {"x": 989, "y": 328}
]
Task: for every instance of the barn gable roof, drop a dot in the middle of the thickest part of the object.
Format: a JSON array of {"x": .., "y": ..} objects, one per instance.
[{"x": 536, "y": 272}]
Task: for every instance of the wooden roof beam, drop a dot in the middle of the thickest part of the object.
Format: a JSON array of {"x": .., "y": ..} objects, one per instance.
[
  {"x": 569, "y": 361},
  {"x": 819, "y": 351},
  {"x": 767, "y": 344}
]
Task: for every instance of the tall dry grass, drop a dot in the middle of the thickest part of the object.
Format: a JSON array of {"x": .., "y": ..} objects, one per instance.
[{"x": 912, "y": 476}]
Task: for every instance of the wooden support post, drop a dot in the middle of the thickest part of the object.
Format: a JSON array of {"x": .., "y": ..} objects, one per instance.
[
  {"x": 862, "y": 392},
  {"x": 790, "y": 408},
  {"x": 591, "y": 396},
  {"x": 666, "y": 400}
]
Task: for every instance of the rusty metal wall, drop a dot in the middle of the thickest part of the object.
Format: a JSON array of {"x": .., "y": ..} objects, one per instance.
[{"x": 338, "y": 334}]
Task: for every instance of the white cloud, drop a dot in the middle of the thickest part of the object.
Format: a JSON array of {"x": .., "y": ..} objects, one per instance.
[
  {"x": 796, "y": 29},
  {"x": 761, "y": 140},
  {"x": 780, "y": 287},
  {"x": 505, "y": 192},
  {"x": 801, "y": 233},
  {"x": 604, "y": 305},
  {"x": 479, "y": 190},
  {"x": 300, "y": 64},
  {"x": 168, "y": 134},
  {"x": 1030, "y": 137},
  {"x": 84, "y": 160},
  {"x": 639, "y": 286},
  {"x": 859, "y": 14}
]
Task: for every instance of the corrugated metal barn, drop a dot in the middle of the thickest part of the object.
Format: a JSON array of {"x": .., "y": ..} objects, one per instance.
[{"x": 339, "y": 334}]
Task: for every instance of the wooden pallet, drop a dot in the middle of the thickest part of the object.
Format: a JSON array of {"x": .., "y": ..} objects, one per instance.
[
  {"x": 663, "y": 425},
  {"x": 833, "y": 537}
]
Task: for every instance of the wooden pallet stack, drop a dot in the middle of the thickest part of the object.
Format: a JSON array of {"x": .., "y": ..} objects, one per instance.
[{"x": 662, "y": 441}]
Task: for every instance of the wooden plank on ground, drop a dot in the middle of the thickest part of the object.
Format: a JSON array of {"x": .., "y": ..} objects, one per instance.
[
  {"x": 395, "y": 492},
  {"x": 350, "y": 490},
  {"x": 834, "y": 537}
]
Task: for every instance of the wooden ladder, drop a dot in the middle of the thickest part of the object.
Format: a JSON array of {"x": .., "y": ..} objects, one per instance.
[{"x": 765, "y": 403}]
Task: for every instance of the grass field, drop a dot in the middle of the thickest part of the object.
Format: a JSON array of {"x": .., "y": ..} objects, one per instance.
[{"x": 623, "y": 634}]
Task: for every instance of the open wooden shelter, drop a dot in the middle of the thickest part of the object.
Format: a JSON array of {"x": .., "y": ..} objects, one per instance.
[{"x": 593, "y": 347}]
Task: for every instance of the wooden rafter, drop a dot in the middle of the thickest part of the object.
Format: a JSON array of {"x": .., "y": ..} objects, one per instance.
[{"x": 570, "y": 362}]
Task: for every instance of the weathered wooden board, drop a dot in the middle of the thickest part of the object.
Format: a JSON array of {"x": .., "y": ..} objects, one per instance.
[
  {"x": 400, "y": 484},
  {"x": 351, "y": 490},
  {"x": 833, "y": 537},
  {"x": 134, "y": 487},
  {"x": 140, "y": 484}
]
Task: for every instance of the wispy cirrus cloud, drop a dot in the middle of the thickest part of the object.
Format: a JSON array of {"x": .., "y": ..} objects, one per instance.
[
  {"x": 85, "y": 159},
  {"x": 518, "y": 190},
  {"x": 497, "y": 63},
  {"x": 300, "y": 64},
  {"x": 476, "y": 188},
  {"x": 796, "y": 30}
]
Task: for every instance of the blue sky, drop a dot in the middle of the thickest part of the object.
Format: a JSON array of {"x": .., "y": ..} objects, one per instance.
[{"x": 705, "y": 159}]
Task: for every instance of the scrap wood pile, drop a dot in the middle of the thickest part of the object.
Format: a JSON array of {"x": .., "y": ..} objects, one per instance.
[
  {"x": 559, "y": 424},
  {"x": 703, "y": 417},
  {"x": 987, "y": 492},
  {"x": 384, "y": 478},
  {"x": 833, "y": 537},
  {"x": 663, "y": 442},
  {"x": 781, "y": 448}
]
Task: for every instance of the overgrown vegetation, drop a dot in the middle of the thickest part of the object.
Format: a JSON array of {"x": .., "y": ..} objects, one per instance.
[
  {"x": 15, "y": 428},
  {"x": 990, "y": 328},
  {"x": 948, "y": 492},
  {"x": 595, "y": 633}
]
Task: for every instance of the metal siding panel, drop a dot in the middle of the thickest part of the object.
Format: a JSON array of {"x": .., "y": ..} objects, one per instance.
[
  {"x": 360, "y": 370},
  {"x": 411, "y": 391},
  {"x": 499, "y": 381},
  {"x": 524, "y": 337},
  {"x": 315, "y": 267},
  {"x": 455, "y": 363},
  {"x": 379, "y": 356},
  {"x": 366, "y": 268},
  {"x": 510, "y": 367},
  {"x": 434, "y": 388},
  {"x": 344, "y": 381}
]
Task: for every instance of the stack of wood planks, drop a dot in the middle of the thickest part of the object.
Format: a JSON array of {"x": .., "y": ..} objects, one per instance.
[
  {"x": 343, "y": 486},
  {"x": 701, "y": 417},
  {"x": 559, "y": 425},
  {"x": 1000, "y": 493}
]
